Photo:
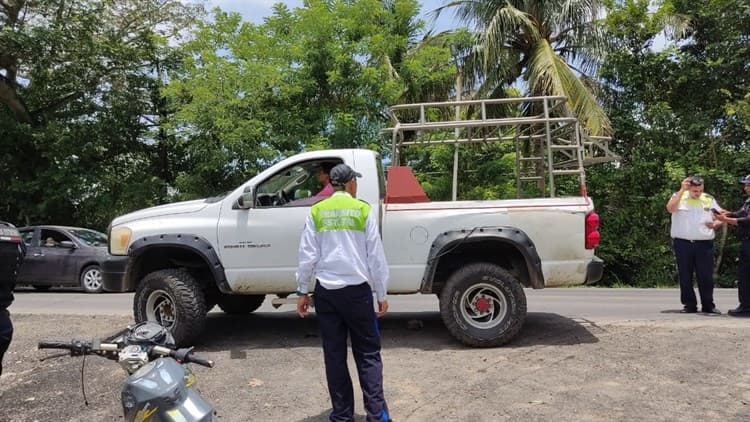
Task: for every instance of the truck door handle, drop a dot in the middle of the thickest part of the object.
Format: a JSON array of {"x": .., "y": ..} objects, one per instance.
[{"x": 38, "y": 254}]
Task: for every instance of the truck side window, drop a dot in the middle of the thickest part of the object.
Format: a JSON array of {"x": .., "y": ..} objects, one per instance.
[{"x": 299, "y": 185}]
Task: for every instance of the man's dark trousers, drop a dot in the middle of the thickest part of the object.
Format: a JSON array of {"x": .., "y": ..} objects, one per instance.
[
  {"x": 6, "y": 333},
  {"x": 695, "y": 256},
  {"x": 350, "y": 311},
  {"x": 743, "y": 274}
]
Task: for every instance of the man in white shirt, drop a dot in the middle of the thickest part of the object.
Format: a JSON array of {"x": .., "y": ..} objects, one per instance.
[
  {"x": 342, "y": 250},
  {"x": 692, "y": 233}
]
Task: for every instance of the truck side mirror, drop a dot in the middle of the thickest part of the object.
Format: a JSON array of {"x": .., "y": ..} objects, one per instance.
[{"x": 246, "y": 200}]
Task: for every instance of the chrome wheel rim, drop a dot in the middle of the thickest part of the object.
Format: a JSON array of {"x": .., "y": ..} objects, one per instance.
[
  {"x": 160, "y": 308},
  {"x": 92, "y": 279},
  {"x": 483, "y": 306}
]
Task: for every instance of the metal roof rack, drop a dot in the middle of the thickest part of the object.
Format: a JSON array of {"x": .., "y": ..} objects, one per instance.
[{"x": 549, "y": 141}]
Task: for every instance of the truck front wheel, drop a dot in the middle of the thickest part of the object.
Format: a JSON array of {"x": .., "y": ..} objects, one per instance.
[
  {"x": 174, "y": 299},
  {"x": 240, "y": 304},
  {"x": 483, "y": 305}
]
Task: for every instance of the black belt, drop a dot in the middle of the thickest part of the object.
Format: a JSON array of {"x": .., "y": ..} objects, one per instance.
[{"x": 694, "y": 241}]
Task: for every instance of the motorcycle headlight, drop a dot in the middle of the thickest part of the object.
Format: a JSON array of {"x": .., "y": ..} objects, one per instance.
[{"x": 119, "y": 240}]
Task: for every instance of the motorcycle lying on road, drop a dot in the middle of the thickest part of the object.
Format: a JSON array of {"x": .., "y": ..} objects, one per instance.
[{"x": 160, "y": 385}]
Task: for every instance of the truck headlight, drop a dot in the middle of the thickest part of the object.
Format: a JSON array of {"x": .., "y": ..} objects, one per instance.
[{"x": 119, "y": 240}]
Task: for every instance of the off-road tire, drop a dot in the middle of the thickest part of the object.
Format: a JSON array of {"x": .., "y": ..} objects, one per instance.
[
  {"x": 89, "y": 271},
  {"x": 498, "y": 289},
  {"x": 187, "y": 297},
  {"x": 239, "y": 304}
]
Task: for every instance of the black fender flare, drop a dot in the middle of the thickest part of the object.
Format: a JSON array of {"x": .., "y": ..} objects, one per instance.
[
  {"x": 194, "y": 243},
  {"x": 449, "y": 240}
]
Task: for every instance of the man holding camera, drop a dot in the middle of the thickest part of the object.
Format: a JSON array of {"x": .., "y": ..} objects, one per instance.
[{"x": 692, "y": 232}]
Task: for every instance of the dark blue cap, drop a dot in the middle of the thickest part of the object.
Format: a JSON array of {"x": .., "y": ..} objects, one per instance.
[
  {"x": 342, "y": 174},
  {"x": 745, "y": 180}
]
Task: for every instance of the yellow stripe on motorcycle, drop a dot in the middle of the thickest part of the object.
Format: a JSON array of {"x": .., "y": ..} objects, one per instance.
[
  {"x": 144, "y": 414},
  {"x": 176, "y": 415}
]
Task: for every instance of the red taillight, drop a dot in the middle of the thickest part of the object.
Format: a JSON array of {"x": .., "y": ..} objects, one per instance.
[{"x": 592, "y": 230}]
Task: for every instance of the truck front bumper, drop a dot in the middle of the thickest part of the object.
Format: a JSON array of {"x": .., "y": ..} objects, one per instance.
[
  {"x": 594, "y": 270},
  {"x": 113, "y": 273}
]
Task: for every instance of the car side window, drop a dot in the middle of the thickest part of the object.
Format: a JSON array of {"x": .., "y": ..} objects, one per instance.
[
  {"x": 300, "y": 185},
  {"x": 52, "y": 238}
]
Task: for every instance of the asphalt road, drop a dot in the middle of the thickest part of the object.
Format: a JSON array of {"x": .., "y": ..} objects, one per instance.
[{"x": 594, "y": 304}]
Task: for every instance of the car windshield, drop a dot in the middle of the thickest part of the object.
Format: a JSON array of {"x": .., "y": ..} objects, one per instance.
[{"x": 90, "y": 237}]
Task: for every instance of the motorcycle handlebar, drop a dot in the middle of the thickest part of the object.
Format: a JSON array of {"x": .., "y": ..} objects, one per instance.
[
  {"x": 84, "y": 347},
  {"x": 200, "y": 361},
  {"x": 79, "y": 346},
  {"x": 66, "y": 345},
  {"x": 185, "y": 356}
]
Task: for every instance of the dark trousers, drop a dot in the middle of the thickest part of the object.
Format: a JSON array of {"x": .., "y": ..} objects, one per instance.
[
  {"x": 743, "y": 276},
  {"x": 695, "y": 257},
  {"x": 349, "y": 312},
  {"x": 6, "y": 334}
]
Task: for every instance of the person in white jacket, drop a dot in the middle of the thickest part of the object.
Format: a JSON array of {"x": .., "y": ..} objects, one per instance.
[{"x": 341, "y": 249}]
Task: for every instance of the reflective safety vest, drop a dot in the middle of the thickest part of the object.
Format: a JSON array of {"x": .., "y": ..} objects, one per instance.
[
  {"x": 704, "y": 201},
  {"x": 689, "y": 220},
  {"x": 340, "y": 212}
]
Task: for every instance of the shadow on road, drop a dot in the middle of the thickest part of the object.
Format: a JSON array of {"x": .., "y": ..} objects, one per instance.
[
  {"x": 420, "y": 330},
  {"x": 323, "y": 417}
]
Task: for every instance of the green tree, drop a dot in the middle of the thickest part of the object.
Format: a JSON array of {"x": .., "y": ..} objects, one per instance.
[
  {"x": 551, "y": 45},
  {"x": 319, "y": 76},
  {"x": 676, "y": 110},
  {"x": 80, "y": 107}
]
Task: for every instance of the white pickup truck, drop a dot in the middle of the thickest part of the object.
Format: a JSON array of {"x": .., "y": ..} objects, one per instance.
[{"x": 235, "y": 249}]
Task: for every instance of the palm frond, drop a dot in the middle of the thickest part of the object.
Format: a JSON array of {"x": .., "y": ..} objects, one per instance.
[
  {"x": 486, "y": 80},
  {"x": 676, "y": 25},
  {"x": 576, "y": 13},
  {"x": 505, "y": 26},
  {"x": 548, "y": 74},
  {"x": 586, "y": 46}
]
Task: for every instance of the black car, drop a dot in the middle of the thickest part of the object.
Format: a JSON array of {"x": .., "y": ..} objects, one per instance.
[{"x": 63, "y": 256}]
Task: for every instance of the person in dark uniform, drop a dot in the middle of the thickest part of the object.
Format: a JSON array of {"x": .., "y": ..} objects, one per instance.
[
  {"x": 341, "y": 248},
  {"x": 692, "y": 233},
  {"x": 741, "y": 219},
  {"x": 12, "y": 250}
]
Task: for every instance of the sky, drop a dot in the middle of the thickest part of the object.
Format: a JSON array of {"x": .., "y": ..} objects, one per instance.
[{"x": 255, "y": 10}]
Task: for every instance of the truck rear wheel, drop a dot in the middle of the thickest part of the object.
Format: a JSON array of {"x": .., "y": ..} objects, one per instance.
[
  {"x": 174, "y": 299},
  {"x": 483, "y": 305},
  {"x": 240, "y": 304}
]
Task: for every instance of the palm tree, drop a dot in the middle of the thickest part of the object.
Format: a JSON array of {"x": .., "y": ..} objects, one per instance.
[{"x": 551, "y": 44}]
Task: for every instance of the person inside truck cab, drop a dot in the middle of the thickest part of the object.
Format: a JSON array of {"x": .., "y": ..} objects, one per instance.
[
  {"x": 325, "y": 180},
  {"x": 323, "y": 175}
]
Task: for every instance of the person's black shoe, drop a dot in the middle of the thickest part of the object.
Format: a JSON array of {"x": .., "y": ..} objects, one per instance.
[
  {"x": 712, "y": 311},
  {"x": 688, "y": 310},
  {"x": 739, "y": 312}
]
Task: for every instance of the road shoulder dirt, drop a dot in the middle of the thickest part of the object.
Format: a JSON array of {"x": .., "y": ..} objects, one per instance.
[{"x": 269, "y": 367}]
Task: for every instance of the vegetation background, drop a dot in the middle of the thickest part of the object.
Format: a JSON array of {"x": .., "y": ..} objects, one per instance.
[{"x": 110, "y": 106}]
